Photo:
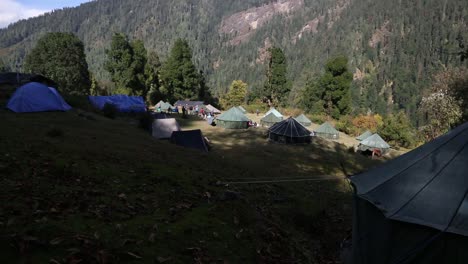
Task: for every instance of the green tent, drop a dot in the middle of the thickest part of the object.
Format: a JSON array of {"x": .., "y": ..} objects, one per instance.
[
  {"x": 233, "y": 118},
  {"x": 303, "y": 120},
  {"x": 374, "y": 142},
  {"x": 327, "y": 131},
  {"x": 364, "y": 135},
  {"x": 275, "y": 112},
  {"x": 269, "y": 120},
  {"x": 242, "y": 109}
]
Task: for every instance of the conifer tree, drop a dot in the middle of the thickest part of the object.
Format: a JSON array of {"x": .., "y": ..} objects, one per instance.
[
  {"x": 236, "y": 94},
  {"x": 277, "y": 86},
  {"x": 179, "y": 77},
  {"x": 331, "y": 92},
  {"x": 60, "y": 57}
]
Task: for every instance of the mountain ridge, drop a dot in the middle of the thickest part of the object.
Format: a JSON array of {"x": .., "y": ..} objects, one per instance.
[{"x": 400, "y": 40}]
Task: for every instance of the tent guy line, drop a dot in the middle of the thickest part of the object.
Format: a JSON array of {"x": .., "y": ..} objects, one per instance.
[{"x": 286, "y": 181}]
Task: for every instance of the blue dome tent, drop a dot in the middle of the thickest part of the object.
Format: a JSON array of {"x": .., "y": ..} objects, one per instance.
[{"x": 36, "y": 97}]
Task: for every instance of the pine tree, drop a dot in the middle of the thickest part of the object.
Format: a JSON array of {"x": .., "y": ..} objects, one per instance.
[
  {"x": 277, "y": 86},
  {"x": 60, "y": 57},
  {"x": 152, "y": 72},
  {"x": 179, "y": 77},
  {"x": 139, "y": 63},
  {"x": 120, "y": 64},
  {"x": 331, "y": 92},
  {"x": 236, "y": 94}
]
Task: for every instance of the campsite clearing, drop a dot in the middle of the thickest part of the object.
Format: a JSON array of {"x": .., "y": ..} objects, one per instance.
[{"x": 81, "y": 186}]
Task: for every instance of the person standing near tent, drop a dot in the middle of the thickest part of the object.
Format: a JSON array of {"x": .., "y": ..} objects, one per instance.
[
  {"x": 257, "y": 112},
  {"x": 184, "y": 112},
  {"x": 202, "y": 112}
]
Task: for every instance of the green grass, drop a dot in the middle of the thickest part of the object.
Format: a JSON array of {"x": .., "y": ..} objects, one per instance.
[{"x": 79, "y": 186}]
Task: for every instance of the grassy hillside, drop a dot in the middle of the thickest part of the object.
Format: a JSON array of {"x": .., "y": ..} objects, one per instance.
[{"x": 78, "y": 186}]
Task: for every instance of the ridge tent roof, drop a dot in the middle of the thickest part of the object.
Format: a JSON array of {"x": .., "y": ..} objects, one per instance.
[
  {"x": 303, "y": 120},
  {"x": 270, "y": 118},
  {"x": 326, "y": 128},
  {"x": 213, "y": 109},
  {"x": 242, "y": 109},
  {"x": 375, "y": 141},
  {"x": 364, "y": 135},
  {"x": 190, "y": 139},
  {"x": 233, "y": 114},
  {"x": 275, "y": 112}
]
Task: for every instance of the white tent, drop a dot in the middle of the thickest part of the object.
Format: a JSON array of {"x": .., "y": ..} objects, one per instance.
[
  {"x": 275, "y": 112},
  {"x": 163, "y": 128},
  {"x": 213, "y": 109}
]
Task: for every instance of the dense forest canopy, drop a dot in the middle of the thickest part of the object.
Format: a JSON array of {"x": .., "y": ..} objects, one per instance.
[{"x": 394, "y": 47}]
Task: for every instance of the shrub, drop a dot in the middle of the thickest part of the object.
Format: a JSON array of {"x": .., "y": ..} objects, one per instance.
[
  {"x": 79, "y": 101},
  {"x": 257, "y": 104},
  {"x": 318, "y": 118},
  {"x": 291, "y": 112},
  {"x": 110, "y": 110},
  {"x": 345, "y": 124}
]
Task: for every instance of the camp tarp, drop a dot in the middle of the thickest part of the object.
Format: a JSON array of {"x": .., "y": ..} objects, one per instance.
[
  {"x": 190, "y": 139},
  {"x": 275, "y": 112},
  {"x": 163, "y": 128},
  {"x": 303, "y": 120},
  {"x": 289, "y": 131},
  {"x": 327, "y": 131},
  {"x": 374, "y": 142},
  {"x": 123, "y": 103},
  {"x": 213, "y": 109},
  {"x": 210, "y": 120},
  {"x": 269, "y": 120},
  {"x": 36, "y": 97},
  {"x": 233, "y": 119},
  {"x": 414, "y": 208},
  {"x": 364, "y": 135}
]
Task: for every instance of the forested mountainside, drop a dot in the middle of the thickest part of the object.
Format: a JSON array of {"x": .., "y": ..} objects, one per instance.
[{"x": 394, "y": 47}]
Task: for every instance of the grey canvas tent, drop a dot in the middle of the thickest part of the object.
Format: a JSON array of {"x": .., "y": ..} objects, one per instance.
[
  {"x": 233, "y": 119},
  {"x": 327, "y": 131},
  {"x": 213, "y": 109},
  {"x": 414, "y": 209},
  {"x": 269, "y": 120},
  {"x": 190, "y": 139},
  {"x": 364, "y": 135},
  {"x": 275, "y": 112},
  {"x": 303, "y": 120},
  {"x": 374, "y": 142},
  {"x": 289, "y": 131},
  {"x": 163, "y": 128}
]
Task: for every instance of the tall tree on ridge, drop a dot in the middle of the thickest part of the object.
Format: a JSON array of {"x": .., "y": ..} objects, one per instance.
[
  {"x": 179, "y": 77},
  {"x": 60, "y": 57},
  {"x": 277, "y": 85}
]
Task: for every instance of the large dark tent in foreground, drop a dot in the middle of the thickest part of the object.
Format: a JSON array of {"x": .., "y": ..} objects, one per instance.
[
  {"x": 414, "y": 209},
  {"x": 289, "y": 131}
]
